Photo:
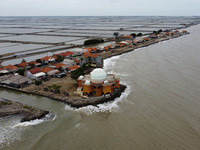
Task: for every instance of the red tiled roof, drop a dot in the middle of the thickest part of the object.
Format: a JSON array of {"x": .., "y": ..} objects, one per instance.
[
  {"x": 72, "y": 68},
  {"x": 67, "y": 53},
  {"x": 125, "y": 36},
  {"x": 33, "y": 62},
  {"x": 46, "y": 69},
  {"x": 58, "y": 65},
  {"x": 77, "y": 61},
  {"x": 87, "y": 54},
  {"x": 34, "y": 70},
  {"x": 23, "y": 64},
  {"x": 48, "y": 57},
  {"x": 10, "y": 67}
]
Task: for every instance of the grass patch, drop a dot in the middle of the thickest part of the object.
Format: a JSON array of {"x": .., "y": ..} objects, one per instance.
[{"x": 5, "y": 103}]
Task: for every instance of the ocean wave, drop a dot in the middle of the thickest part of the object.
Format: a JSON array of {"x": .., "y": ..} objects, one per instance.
[
  {"x": 48, "y": 117},
  {"x": 110, "y": 63},
  {"x": 111, "y": 106}
]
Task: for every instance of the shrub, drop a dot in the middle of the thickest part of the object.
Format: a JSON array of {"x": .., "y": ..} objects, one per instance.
[
  {"x": 93, "y": 41},
  {"x": 139, "y": 34},
  {"x": 38, "y": 82},
  {"x": 21, "y": 72},
  {"x": 75, "y": 74}
]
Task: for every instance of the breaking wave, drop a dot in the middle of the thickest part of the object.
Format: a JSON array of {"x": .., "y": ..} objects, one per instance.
[
  {"x": 112, "y": 106},
  {"x": 11, "y": 128},
  {"x": 48, "y": 117}
]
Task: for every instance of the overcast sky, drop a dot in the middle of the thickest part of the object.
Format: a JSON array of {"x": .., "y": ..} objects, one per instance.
[{"x": 99, "y": 7}]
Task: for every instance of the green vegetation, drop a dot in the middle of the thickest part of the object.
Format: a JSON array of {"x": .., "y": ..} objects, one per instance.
[
  {"x": 23, "y": 60},
  {"x": 38, "y": 82},
  {"x": 55, "y": 87},
  {"x": 21, "y": 72},
  {"x": 157, "y": 32},
  {"x": 93, "y": 41},
  {"x": 39, "y": 61},
  {"x": 60, "y": 58},
  {"x": 5, "y": 103},
  {"x": 133, "y": 34},
  {"x": 116, "y": 34},
  {"x": 28, "y": 107},
  {"x": 139, "y": 34},
  {"x": 75, "y": 74}
]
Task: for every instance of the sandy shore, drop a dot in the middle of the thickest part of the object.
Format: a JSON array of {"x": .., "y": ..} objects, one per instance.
[{"x": 8, "y": 108}]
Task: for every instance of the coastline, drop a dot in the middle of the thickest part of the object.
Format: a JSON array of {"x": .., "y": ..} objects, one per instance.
[
  {"x": 9, "y": 108},
  {"x": 72, "y": 100}
]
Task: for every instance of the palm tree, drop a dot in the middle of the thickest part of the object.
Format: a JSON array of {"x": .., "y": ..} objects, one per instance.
[{"x": 116, "y": 34}]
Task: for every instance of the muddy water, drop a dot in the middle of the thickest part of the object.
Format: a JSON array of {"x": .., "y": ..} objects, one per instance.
[{"x": 159, "y": 110}]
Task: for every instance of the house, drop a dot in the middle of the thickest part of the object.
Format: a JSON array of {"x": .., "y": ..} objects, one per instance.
[
  {"x": 94, "y": 60},
  {"x": 23, "y": 64},
  {"x": 69, "y": 62},
  {"x": 48, "y": 59},
  {"x": 35, "y": 73},
  {"x": 17, "y": 81},
  {"x": 49, "y": 71},
  {"x": 36, "y": 64},
  {"x": 66, "y": 54},
  {"x": 125, "y": 37},
  {"x": 10, "y": 68},
  {"x": 73, "y": 68},
  {"x": 60, "y": 66}
]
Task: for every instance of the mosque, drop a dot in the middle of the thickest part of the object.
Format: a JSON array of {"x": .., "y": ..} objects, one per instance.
[{"x": 98, "y": 83}]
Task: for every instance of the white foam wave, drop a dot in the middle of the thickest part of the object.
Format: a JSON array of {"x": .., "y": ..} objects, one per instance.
[
  {"x": 112, "y": 106},
  {"x": 8, "y": 134},
  {"x": 110, "y": 63},
  {"x": 81, "y": 126},
  {"x": 47, "y": 117}
]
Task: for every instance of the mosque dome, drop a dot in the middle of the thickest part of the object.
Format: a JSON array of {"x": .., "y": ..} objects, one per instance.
[
  {"x": 80, "y": 77},
  {"x": 87, "y": 82},
  {"x": 106, "y": 82},
  {"x": 98, "y": 74}
]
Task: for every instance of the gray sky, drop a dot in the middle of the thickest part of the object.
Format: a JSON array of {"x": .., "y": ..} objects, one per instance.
[{"x": 99, "y": 7}]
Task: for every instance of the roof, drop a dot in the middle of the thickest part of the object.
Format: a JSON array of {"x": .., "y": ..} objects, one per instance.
[
  {"x": 76, "y": 60},
  {"x": 72, "y": 68},
  {"x": 34, "y": 70},
  {"x": 46, "y": 69},
  {"x": 87, "y": 54},
  {"x": 67, "y": 53},
  {"x": 58, "y": 65},
  {"x": 10, "y": 67},
  {"x": 125, "y": 36},
  {"x": 33, "y": 62},
  {"x": 23, "y": 64},
  {"x": 16, "y": 79},
  {"x": 48, "y": 58}
]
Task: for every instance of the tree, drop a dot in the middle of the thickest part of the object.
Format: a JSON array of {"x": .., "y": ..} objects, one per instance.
[
  {"x": 21, "y": 72},
  {"x": 116, "y": 34},
  {"x": 139, "y": 34},
  {"x": 39, "y": 61},
  {"x": 23, "y": 60},
  {"x": 75, "y": 74},
  {"x": 38, "y": 82},
  {"x": 133, "y": 35},
  {"x": 93, "y": 41},
  {"x": 60, "y": 58}
]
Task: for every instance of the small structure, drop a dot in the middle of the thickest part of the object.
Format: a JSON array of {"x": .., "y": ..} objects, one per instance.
[
  {"x": 69, "y": 62},
  {"x": 73, "y": 68},
  {"x": 17, "y": 81},
  {"x": 93, "y": 59},
  {"x": 98, "y": 83},
  {"x": 50, "y": 71},
  {"x": 35, "y": 73},
  {"x": 10, "y": 68}
]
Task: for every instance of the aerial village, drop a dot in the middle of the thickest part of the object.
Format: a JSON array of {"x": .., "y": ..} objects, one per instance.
[{"x": 76, "y": 74}]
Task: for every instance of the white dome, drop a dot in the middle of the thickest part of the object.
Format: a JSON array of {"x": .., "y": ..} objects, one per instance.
[
  {"x": 106, "y": 82},
  {"x": 98, "y": 74},
  {"x": 81, "y": 78},
  {"x": 87, "y": 82}
]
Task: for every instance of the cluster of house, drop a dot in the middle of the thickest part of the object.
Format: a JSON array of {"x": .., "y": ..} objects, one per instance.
[
  {"x": 51, "y": 65},
  {"x": 47, "y": 67}
]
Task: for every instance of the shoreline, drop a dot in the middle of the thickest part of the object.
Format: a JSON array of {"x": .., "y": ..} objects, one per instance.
[
  {"x": 80, "y": 102},
  {"x": 10, "y": 108}
]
